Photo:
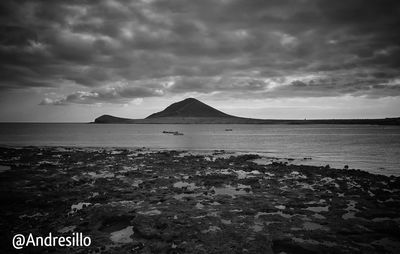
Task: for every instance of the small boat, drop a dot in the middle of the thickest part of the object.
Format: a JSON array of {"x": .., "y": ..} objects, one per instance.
[
  {"x": 228, "y": 129},
  {"x": 173, "y": 132},
  {"x": 169, "y": 132}
]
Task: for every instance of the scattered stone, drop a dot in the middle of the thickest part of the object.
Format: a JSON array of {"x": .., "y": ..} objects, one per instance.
[{"x": 143, "y": 201}]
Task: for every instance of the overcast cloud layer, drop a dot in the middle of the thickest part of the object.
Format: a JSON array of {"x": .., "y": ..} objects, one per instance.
[{"x": 119, "y": 51}]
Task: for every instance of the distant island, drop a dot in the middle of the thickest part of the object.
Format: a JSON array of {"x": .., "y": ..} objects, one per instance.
[{"x": 193, "y": 111}]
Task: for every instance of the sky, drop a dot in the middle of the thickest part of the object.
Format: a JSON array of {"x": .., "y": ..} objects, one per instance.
[{"x": 72, "y": 61}]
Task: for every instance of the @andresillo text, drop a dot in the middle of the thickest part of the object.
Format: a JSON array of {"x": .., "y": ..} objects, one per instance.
[{"x": 20, "y": 241}]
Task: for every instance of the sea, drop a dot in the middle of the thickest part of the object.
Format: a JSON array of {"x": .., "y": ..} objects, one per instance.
[{"x": 372, "y": 148}]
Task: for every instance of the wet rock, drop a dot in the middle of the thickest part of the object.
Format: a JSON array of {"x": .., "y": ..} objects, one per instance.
[{"x": 226, "y": 203}]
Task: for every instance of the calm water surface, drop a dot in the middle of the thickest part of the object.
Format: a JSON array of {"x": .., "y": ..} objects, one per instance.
[{"x": 372, "y": 148}]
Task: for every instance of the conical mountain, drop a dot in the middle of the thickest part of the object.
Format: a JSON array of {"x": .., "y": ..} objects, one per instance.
[
  {"x": 189, "y": 107},
  {"x": 192, "y": 111}
]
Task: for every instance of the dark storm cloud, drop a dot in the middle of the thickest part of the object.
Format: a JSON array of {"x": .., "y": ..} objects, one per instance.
[{"x": 229, "y": 46}]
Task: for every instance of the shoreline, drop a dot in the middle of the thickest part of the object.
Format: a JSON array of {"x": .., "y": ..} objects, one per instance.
[
  {"x": 143, "y": 201},
  {"x": 268, "y": 156}
]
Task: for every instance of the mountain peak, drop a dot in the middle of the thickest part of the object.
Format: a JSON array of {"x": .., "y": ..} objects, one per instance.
[
  {"x": 189, "y": 107},
  {"x": 191, "y": 99}
]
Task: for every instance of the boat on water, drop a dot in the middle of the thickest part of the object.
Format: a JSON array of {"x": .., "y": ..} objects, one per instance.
[
  {"x": 176, "y": 133},
  {"x": 169, "y": 132},
  {"x": 228, "y": 130}
]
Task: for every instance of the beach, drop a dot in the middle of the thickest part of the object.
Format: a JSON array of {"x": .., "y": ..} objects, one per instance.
[{"x": 139, "y": 200}]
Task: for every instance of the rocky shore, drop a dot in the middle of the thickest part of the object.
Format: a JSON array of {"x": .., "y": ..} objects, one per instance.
[{"x": 144, "y": 201}]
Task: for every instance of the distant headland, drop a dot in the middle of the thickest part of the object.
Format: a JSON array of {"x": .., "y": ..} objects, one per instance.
[{"x": 193, "y": 111}]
